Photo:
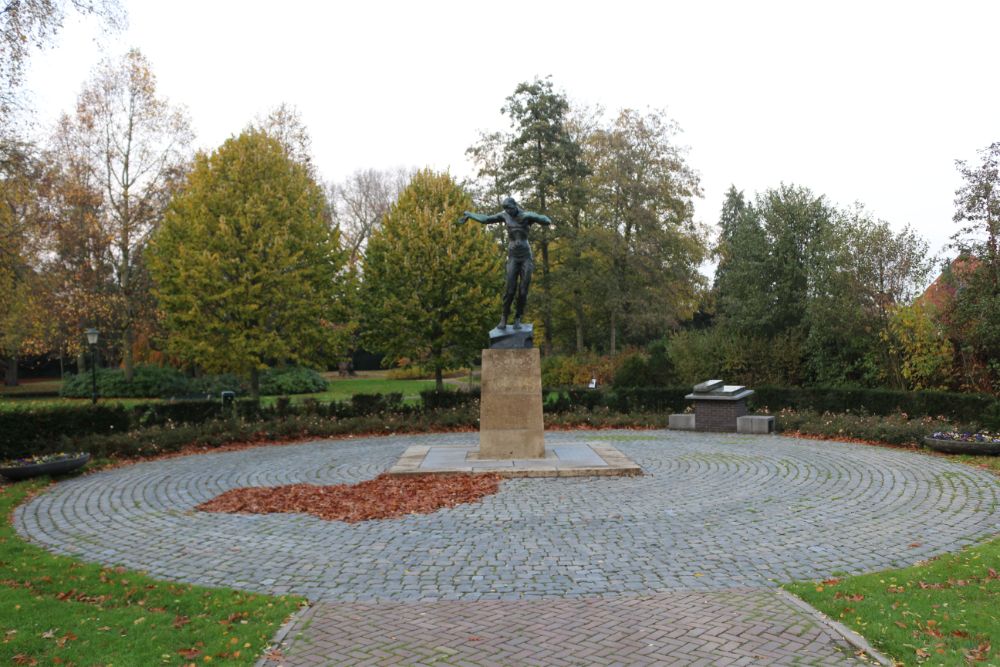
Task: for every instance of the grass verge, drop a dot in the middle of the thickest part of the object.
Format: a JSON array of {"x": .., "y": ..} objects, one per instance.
[
  {"x": 55, "y": 610},
  {"x": 940, "y": 612}
]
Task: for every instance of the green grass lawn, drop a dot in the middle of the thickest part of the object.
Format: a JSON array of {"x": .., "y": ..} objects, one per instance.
[
  {"x": 56, "y": 610},
  {"x": 31, "y": 387},
  {"x": 942, "y": 612},
  {"x": 341, "y": 389}
]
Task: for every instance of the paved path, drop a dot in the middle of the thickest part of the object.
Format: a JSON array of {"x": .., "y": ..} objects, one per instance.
[
  {"x": 714, "y": 514},
  {"x": 739, "y": 627}
]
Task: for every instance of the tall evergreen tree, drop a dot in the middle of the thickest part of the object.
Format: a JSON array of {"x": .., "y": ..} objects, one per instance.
[{"x": 543, "y": 164}]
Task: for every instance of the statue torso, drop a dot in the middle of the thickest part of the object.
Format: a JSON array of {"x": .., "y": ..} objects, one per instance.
[{"x": 517, "y": 237}]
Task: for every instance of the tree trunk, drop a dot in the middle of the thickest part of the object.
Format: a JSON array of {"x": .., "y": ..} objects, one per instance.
[
  {"x": 438, "y": 379},
  {"x": 128, "y": 339},
  {"x": 614, "y": 331},
  {"x": 547, "y": 305},
  {"x": 255, "y": 384},
  {"x": 578, "y": 320},
  {"x": 10, "y": 376}
]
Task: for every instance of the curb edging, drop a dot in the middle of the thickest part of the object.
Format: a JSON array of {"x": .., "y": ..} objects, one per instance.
[
  {"x": 282, "y": 634},
  {"x": 850, "y": 636}
]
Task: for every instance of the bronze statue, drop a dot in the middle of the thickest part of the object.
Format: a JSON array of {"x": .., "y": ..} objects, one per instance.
[{"x": 519, "y": 260}]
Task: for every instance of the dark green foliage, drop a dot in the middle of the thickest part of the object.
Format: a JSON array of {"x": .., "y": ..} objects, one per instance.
[
  {"x": 24, "y": 432},
  {"x": 213, "y": 385},
  {"x": 148, "y": 382},
  {"x": 179, "y": 412},
  {"x": 649, "y": 399},
  {"x": 291, "y": 380},
  {"x": 166, "y": 382},
  {"x": 371, "y": 404},
  {"x": 634, "y": 372},
  {"x": 896, "y": 429},
  {"x": 961, "y": 407},
  {"x": 436, "y": 400},
  {"x": 887, "y": 416}
]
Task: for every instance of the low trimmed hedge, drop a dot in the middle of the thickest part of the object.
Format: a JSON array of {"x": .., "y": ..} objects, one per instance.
[
  {"x": 166, "y": 382},
  {"x": 868, "y": 414},
  {"x": 979, "y": 408}
]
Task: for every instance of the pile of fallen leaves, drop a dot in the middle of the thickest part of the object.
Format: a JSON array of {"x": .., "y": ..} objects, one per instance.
[{"x": 381, "y": 498}]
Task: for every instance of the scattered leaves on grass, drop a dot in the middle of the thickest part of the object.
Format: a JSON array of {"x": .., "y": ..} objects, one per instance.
[{"x": 380, "y": 498}]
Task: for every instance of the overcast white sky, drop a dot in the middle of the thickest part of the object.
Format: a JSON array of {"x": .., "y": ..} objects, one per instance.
[{"x": 860, "y": 101}]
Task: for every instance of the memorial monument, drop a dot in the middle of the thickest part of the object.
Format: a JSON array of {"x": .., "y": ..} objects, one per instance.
[{"x": 510, "y": 417}]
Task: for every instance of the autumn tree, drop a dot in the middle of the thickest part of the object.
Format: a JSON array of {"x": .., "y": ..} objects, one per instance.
[
  {"x": 247, "y": 268},
  {"x": 643, "y": 191},
  {"x": 136, "y": 148},
  {"x": 25, "y": 221},
  {"x": 431, "y": 288},
  {"x": 864, "y": 272},
  {"x": 975, "y": 310},
  {"x": 285, "y": 124},
  {"x": 361, "y": 201},
  {"x": 32, "y": 24}
]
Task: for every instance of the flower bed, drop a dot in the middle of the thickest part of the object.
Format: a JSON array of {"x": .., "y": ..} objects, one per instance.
[
  {"x": 48, "y": 464},
  {"x": 955, "y": 442}
]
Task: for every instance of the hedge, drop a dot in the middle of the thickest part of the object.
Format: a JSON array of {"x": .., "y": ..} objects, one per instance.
[
  {"x": 979, "y": 408},
  {"x": 166, "y": 382},
  {"x": 51, "y": 428}
]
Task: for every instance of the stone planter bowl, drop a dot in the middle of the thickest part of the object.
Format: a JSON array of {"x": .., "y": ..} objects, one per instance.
[
  {"x": 963, "y": 447},
  {"x": 59, "y": 467}
]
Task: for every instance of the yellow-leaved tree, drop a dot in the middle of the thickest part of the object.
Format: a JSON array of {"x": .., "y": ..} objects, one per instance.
[
  {"x": 431, "y": 288},
  {"x": 246, "y": 266}
]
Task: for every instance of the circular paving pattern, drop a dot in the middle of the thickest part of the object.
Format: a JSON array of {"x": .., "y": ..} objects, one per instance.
[{"x": 713, "y": 511}]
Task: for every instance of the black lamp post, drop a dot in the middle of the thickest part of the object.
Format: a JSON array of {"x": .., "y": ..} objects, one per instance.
[{"x": 92, "y": 339}]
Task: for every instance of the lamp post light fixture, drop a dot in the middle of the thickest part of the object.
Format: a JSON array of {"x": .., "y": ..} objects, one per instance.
[{"x": 92, "y": 340}]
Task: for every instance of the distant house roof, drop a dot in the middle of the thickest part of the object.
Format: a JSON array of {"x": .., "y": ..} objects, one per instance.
[{"x": 940, "y": 292}]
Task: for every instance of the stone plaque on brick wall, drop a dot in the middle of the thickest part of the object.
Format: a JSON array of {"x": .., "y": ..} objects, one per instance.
[{"x": 510, "y": 412}]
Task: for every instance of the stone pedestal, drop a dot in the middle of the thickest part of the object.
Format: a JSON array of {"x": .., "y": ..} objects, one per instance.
[{"x": 510, "y": 412}]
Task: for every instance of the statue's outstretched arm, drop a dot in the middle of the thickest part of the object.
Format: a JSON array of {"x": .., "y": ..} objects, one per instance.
[
  {"x": 478, "y": 217},
  {"x": 537, "y": 218}
]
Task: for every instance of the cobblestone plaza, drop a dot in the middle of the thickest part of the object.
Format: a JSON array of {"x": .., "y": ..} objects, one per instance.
[{"x": 713, "y": 515}]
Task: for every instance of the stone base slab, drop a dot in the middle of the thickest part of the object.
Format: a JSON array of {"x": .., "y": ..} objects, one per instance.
[
  {"x": 577, "y": 459},
  {"x": 682, "y": 422},
  {"x": 755, "y": 424}
]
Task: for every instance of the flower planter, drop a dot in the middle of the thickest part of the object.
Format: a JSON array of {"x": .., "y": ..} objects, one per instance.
[
  {"x": 55, "y": 467},
  {"x": 963, "y": 447}
]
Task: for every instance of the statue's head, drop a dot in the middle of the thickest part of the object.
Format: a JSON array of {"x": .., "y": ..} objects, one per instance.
[{"x": 510, "y": 205}]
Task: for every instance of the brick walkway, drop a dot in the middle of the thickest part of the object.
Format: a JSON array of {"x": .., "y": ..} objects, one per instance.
[
  {"x": 713, "y": 513},
  {"x": 747, "y": 627}
]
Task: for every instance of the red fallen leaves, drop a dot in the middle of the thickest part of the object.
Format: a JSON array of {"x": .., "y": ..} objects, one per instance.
[
  {"x": 979, "y": 654},
  {"x": 380, "y": 498},
  {"x": 855, "y": 597}
]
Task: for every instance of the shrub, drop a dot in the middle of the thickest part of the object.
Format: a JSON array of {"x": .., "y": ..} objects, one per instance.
[
  {"x": 25, "y": 432},
  {"x": 180, "y": 412},
  {"x": 897, "y": 429},
  {"x": 435, "y": 400},
  {"x": 961, "y": 407},
  {"x": 147, "y": 382},
  {"x": 214, "y": 385},
  {"x": 291, "y": 380},
  {"x": 370, "y": 404},
  {"x": 633, "y": 372},
  {"x": 577, "y": 370},
  {"x": 648, "y": 399}
]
